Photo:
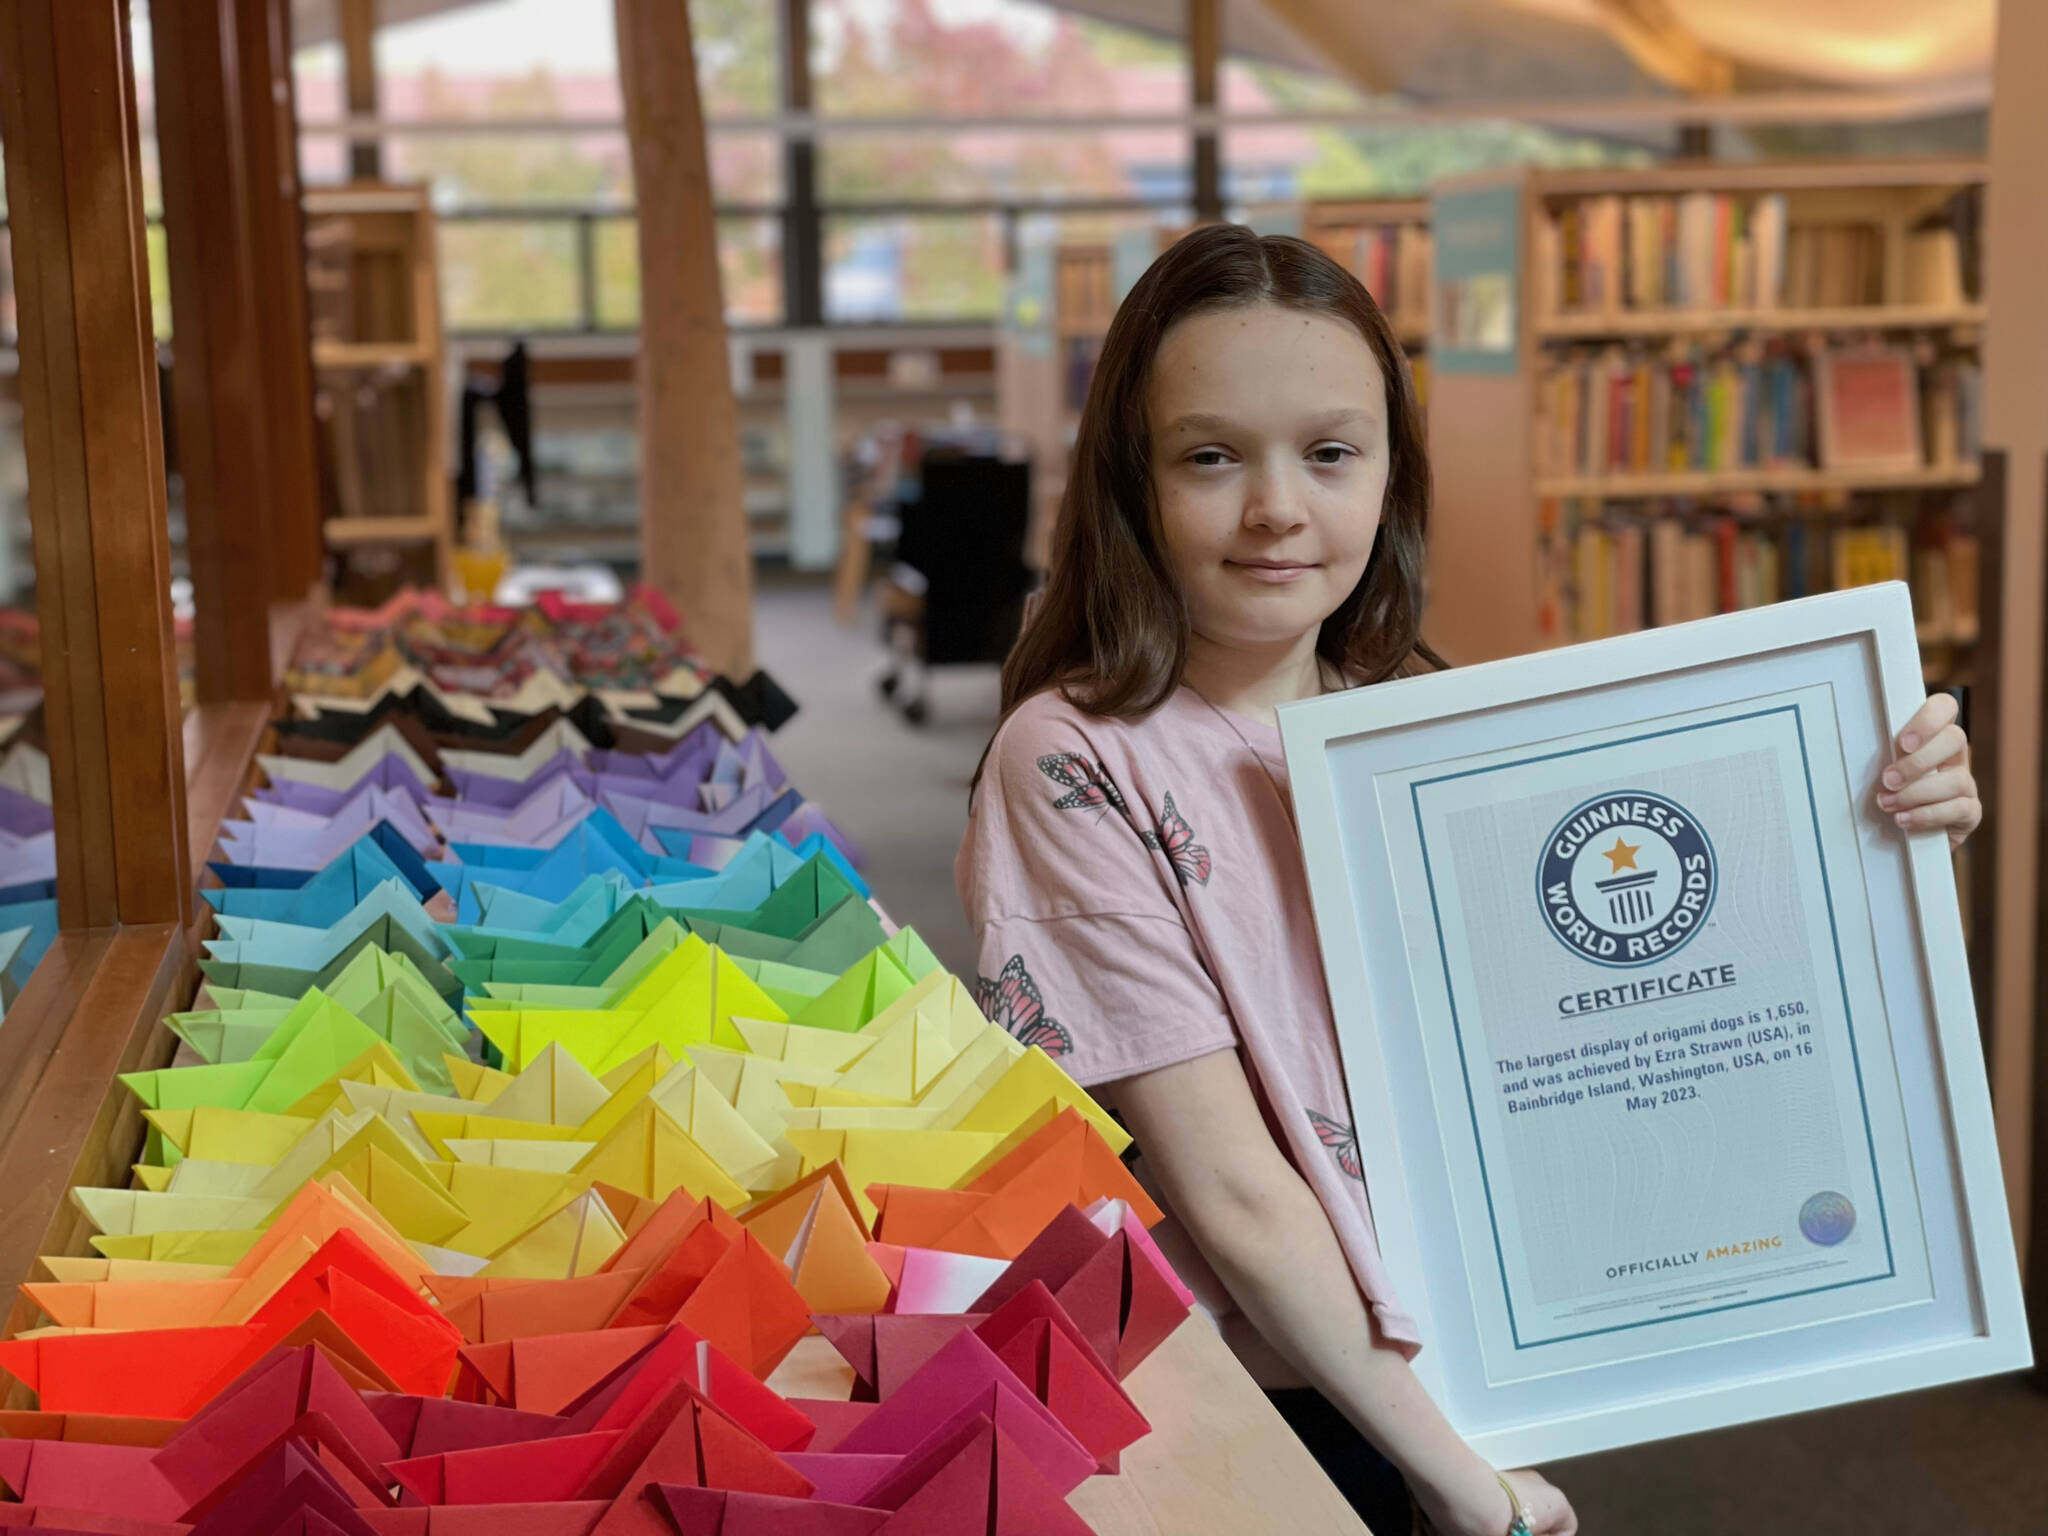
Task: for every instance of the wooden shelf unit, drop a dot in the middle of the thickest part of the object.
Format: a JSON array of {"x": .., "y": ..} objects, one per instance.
[
  {"x": 1691, "y": 322},
  {"x": 1502, "y": 556},
  {"x": 1793, "y": 478},
  {"x": 378, "y": 360}
]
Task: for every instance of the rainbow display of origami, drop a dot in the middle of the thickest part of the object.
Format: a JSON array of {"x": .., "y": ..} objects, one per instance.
[{"x": 546, "y": 1088}]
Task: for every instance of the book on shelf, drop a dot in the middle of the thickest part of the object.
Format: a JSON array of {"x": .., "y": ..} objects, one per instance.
[
  {"x": 1392, "y": 260},
  {"x": 1867, "y": 403},
  {"x": 1602, "y": 574},
  {"x": 1951, "y": 408},
  {"x": 1682, "y": 405},
  {"x": 1704, "y": 250}
]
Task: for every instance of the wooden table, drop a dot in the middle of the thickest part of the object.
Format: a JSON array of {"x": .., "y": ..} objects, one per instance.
[{"x": 1219, "y": 1460}]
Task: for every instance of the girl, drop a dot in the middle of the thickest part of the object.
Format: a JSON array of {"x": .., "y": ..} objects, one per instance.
[{"x": 1244, "y": 526}]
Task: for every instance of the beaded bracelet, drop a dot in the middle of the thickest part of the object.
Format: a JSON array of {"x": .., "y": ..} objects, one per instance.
[{"x": 1518, "y": 1524}]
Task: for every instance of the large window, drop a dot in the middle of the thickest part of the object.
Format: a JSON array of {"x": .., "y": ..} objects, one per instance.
[
  {"x": 1003, "y": 163},
  {"x": 926, "y": 266},
  {"x": 535, "y": 200},
  {"x": 501, "y": 59},
  {"x": 511, "y": 110},
  {"x": 1016, "y": 62},
  {"x": 986, "y": 58},
  {"x": 750, "y": 270}
]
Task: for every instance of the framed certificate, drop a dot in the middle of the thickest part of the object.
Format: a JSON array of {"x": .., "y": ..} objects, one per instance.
[{"x": 1659, "y": 1036}]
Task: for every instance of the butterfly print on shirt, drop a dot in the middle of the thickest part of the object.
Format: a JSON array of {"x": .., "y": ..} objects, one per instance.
[
  {"x": 1342, "y": 1140},
  {"x": 1012, "y": 1000},
  {"x": 1087, "y": 788},
  {"x": 1176, "y": 839}
]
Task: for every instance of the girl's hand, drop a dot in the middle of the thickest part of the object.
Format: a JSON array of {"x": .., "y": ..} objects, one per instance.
[
  {"x": 1549, "y": 1511},
  {"x": 1478, "y": 1507},
  {"x": 1930, "y": 784}
]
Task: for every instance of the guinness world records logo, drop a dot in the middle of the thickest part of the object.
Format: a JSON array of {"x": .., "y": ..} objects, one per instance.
[{"x": 1626, "y": 878}]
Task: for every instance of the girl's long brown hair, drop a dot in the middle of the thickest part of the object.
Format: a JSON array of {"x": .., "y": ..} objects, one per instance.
[{"x": 1110, "y": 629}]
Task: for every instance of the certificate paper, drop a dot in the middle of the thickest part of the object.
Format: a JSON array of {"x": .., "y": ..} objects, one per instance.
[{"x": 1655, "y": 1035}]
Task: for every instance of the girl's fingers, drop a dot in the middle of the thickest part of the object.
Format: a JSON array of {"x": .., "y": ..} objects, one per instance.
[
  {"x": 1945, "y": 744},
  {"x": 1957, "y": 815},
  {"x": 1951, "y": 783},
  {"x": 1939, "y": 710}
]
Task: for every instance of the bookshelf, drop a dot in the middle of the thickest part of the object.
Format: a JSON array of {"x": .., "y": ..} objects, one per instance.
[
  {"x": 1385, "y": 244},
  {"x": 1667, "y": 392},
  {"x": 378, "y": 362}
]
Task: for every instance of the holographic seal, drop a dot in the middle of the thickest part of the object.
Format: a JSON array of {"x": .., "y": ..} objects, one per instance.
[{"x": 1827, "y": 1218}]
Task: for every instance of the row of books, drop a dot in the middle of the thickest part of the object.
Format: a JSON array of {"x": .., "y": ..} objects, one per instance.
[
  {"x": 1686, "y": 406},
  {"x": 1706, "y": 250},
  {"x": 1392, "y": 260},
  {"x": 1607, "y": 575}
]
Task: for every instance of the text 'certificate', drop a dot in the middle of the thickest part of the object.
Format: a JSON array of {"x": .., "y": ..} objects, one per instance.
[{"x": 1654, "y": 1030}]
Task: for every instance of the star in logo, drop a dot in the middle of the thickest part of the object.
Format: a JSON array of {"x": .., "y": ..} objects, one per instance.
[{"x": 1621, "y": 856}]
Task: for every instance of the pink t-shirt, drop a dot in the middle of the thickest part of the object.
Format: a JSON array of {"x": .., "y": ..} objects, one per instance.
[{"x": 1138, "y": 899}]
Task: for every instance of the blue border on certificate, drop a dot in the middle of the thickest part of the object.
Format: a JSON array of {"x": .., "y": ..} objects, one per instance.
[{"x": 1841, "y": 975}]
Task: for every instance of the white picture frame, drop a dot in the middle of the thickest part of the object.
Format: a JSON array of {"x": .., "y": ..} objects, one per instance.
[{"x": 1843, "y": 669}]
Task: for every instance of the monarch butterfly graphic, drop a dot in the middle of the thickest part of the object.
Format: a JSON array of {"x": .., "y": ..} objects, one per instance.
[
  {"x": 1342, "y": 1140},
  {"x": 1176, "y": 839},
  {"x": 1012, "y": 1000},
  {"x": 1087, "y": 789}
]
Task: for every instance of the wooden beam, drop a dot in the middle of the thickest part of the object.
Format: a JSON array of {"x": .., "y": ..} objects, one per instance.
[
  {"x": 803, "y": 239},
  {"x": 359, "y": 79},
  {"x": 693, "y": 521},
  {"x": 1205, "y": 71},
  {"x": 1662, "y": 47},
  {"x": 1332, "y": 29},
  {"x": 94, "y": 448},
  {"x": 270, "y": 135},
  {"x": 217, "y": 378}
]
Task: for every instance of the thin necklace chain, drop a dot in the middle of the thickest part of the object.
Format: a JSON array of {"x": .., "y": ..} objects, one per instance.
[{"x": 1323, "y": 686}]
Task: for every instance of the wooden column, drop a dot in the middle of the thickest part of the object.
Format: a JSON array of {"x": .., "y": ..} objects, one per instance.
[
  {"x": 2015, "y": 352},
  {"x": 217, "y": 382},
  {"x": 95, "y": 461},
  {"x": 693, "y": 521},
  {"x": 359, "y": 75},
  {"x": 270, "y": 136}
]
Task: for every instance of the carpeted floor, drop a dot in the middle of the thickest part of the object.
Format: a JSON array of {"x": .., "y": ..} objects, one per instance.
[{"x": 1970, "y": 1460}]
